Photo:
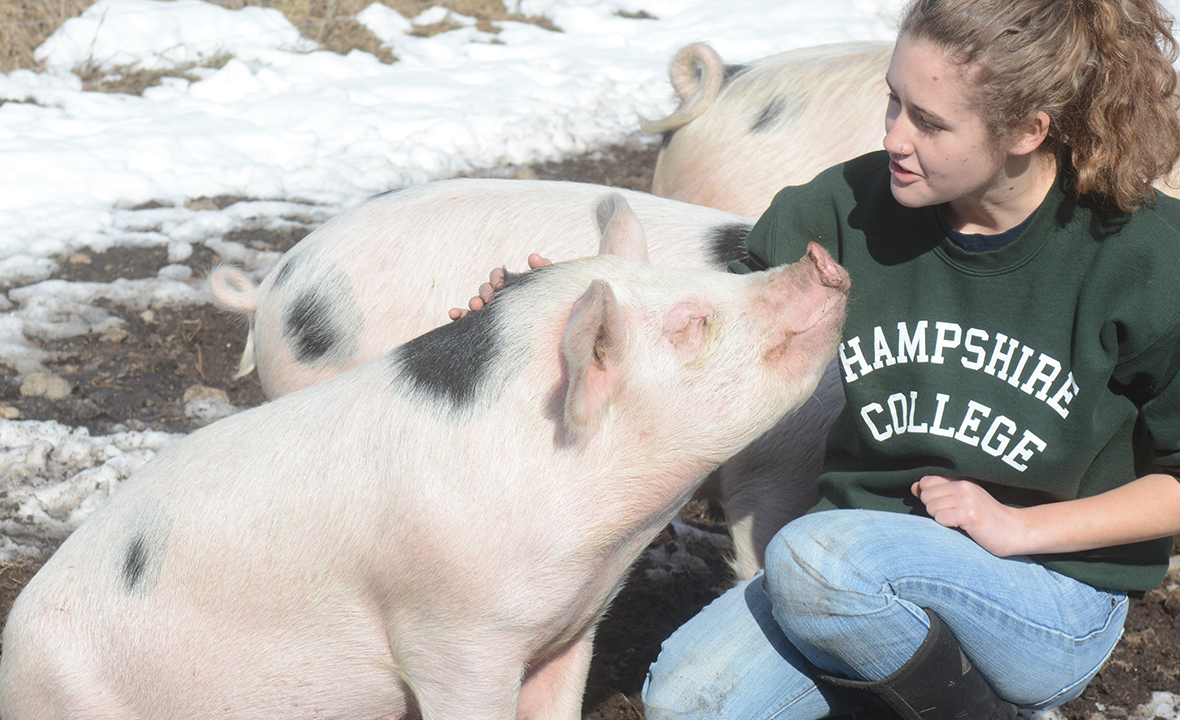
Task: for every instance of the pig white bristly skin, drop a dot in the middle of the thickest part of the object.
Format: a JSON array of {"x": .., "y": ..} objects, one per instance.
[
  {"x": 385, "y": 271},
  {"x": 744, "y": 132},
  {"x": 440, "y": 528},
  {"x": 389, "y": 269}
]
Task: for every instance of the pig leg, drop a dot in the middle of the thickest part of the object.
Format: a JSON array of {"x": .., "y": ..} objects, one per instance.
[
  {"x": 554, "y": 689},
  {"x": 462, "y": 673},
  {"x": 758, "y": 502},
  {"x": 468, "y": 696},
  {"x": 772, "y": 481}
]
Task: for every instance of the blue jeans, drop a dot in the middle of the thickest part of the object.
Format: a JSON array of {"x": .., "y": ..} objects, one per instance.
[{"x": 843, "y": 592}]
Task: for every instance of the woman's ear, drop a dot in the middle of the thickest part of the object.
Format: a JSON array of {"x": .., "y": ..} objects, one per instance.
[{"x": 1031, "y": 135}]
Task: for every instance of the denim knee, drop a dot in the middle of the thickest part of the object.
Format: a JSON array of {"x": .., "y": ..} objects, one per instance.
[
  {"x": 732, "y": 661},
  {"x": 810, "y": 563}
]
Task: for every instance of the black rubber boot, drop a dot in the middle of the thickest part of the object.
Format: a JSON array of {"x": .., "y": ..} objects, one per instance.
[{"x": 937, "y": 683}]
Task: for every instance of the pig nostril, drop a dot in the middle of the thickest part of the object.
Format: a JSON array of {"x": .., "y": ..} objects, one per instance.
[
  {"x": 830, "y": 274},
  {"x": 833, "y": 278}
]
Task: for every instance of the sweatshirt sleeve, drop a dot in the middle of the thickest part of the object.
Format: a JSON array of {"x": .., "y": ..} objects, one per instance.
[
  {"x": 1151, "y": 379},
  {"x": 1147, "y": 333}
]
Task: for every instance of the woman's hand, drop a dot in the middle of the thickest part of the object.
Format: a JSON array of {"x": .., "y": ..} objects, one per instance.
[
  {"x": 964, "y": 504},
  {"x": 487, "y": 291},
  {"x": 1143, "y": 509}
]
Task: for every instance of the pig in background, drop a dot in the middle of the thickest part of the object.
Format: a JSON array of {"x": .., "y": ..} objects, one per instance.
[
  {"x": 744, "y": 132},
  {"x": 435, "y": 533},
  {"x": 387, "y": 271}
]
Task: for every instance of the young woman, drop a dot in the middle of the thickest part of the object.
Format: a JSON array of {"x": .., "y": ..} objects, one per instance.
[{"x": 1003, "y": 473}]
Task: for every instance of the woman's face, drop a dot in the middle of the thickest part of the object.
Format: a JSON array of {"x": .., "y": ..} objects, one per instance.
[{"x": 940, "y": 150}]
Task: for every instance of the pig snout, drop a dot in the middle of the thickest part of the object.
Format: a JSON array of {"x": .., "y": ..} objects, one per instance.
[
  {"x": 803, "y": 302},
  {"x": 807, "y": 291},
  {"x": 827, "y": 272}
]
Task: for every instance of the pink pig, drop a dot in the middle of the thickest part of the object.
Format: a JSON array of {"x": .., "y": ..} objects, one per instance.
[
  {"x": 385, "y": 272},
  {"x": 744, "y": 132},
  {"x": 436, "y": 532},
  {"x": 388, "y": 270}
]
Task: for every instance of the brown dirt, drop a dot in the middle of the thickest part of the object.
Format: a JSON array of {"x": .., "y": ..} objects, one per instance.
[{"x": 139, "y": 380}]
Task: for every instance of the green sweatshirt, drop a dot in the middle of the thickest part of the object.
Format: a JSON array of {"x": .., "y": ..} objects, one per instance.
[{"x": 1047, "y": 369}]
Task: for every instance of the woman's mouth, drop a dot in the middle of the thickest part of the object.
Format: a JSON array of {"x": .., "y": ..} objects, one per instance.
[{"x": 901, "y": 173}]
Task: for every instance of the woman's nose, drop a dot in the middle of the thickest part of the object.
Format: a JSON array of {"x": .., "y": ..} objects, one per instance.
[{"x": 896, "y": 141}]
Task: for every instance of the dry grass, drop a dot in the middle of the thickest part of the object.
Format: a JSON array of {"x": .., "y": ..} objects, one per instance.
[
  {"x": 133, "y": 81},
  {"x": 328, "y": 22},
  {"x": 25, "y": 24}
]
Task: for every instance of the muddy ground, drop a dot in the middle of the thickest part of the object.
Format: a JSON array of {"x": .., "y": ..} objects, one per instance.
[{"x": 139, "y": 380}]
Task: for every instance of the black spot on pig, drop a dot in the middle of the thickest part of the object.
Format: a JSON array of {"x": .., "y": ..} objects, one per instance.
[
  {"x": 285, "y": 270},
  {"x": 667, "y": 138},
  {"x": 451, "y": 362},
  {"x": 769, "y": 114},
  {"x": 778, "y": 111},
  {"x": 134, "y": 562},
  {"x": 726, "y": 243},
  {"x": 388, "y": 192},
  {"x": 729, "y": 72},
  {"x": 308, "y": 327},
  {"x": 143, "y": 546}
]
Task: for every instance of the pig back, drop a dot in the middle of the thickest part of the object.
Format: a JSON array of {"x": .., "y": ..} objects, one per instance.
[
  {"x": 390, "y": 269},
  {"x": 776, "y": 121}
]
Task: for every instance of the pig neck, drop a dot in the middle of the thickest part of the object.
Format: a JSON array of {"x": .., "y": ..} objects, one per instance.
[{"x": 636, "y": 483}]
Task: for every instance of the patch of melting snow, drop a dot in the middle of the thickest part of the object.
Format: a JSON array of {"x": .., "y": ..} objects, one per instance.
[
  {"x": 53, "y": 476},
  {"x": 677, "y": 556},
  {"x": 57, "y": 309},
  {"x": 1161, "y": 706}
]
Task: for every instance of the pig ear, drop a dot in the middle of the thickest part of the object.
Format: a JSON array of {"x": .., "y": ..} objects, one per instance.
[
  {"x": 621, "y": 232},
  {"x": 592, "y": 346}
]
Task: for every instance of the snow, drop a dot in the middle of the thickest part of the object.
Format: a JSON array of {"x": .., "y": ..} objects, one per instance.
[
  {"x": 280, "y": 122},
  {"x": 302, "y": 134},
  {"x": 53, "y": 476}
]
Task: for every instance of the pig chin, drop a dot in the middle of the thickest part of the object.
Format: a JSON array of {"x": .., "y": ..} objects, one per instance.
[{"x": 822, "y": 328}]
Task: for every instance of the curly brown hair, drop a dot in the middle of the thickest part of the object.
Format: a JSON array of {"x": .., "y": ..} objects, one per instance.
[{"x": 1100, "y": 69}]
